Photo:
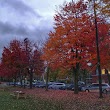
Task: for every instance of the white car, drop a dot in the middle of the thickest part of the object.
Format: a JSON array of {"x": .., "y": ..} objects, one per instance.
[
  {"x": 57, "y": 86},
  {"x": 95, "y": 87}
]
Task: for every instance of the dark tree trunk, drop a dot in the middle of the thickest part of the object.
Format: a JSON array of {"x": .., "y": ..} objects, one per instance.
[
  {"x": 47, "y": 76},
  {"x": 75, "y": 81},
  {"x": 21, "y": 80},
  {"x": 31, "y": 77},
  {"x": 76, "y": 73},
  {"x": 24, "y": 82},
  {"x": 98, "y": 53},
  {"x": 108, "y": 76},
  {"x": 9, "y": 81},
  {"x": 1, "y": 79},
  {"x": 15, "y": 81}
]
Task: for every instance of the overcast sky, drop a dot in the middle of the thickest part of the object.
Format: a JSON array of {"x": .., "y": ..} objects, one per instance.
[{"x": 26, "y": 18}]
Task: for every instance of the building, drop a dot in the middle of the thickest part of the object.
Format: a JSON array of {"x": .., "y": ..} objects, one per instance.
[{"x": 105, "y": 76}]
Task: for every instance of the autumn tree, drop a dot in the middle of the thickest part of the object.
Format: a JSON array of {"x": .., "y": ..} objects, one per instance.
[
  {"x": 66, "y": 46},
  {"x": 10, "y": 59},
  {"x": 21, "y": 59},
  {"x": 102, "y": 9},
  {"x": 72, "y": 44},
  {"x": 6, "y": 65},
  {"x": 38, "y": 62},
  {"x": 33, "y": 59}
]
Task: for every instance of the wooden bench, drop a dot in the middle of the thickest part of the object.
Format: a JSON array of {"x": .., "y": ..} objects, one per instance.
[{"x": 18, "y": 94}]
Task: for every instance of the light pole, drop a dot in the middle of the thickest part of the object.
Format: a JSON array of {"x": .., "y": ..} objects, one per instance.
[{"x": 98, "y": 53}]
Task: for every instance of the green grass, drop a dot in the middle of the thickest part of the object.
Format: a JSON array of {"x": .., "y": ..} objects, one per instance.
[
  {"x": 82, "y": 101},
  {"x": 7, "y": 102}
]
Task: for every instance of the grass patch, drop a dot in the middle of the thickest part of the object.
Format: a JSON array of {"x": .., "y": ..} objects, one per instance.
[
  {"x": 7, "y": 102},
  {"x": 54, "y": 100}
]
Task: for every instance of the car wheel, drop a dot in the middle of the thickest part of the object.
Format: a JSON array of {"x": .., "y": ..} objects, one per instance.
[
  {"x": 105, "y": 91},
  {"x": 87, "y": 90}
]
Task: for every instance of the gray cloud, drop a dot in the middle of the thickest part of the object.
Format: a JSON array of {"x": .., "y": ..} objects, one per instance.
[
  {"x": 18, "y": 6},
  {"x": 6, "y": 29},
  {"x": 21, "y": 30},
  {"x": 20, "y": 19},
  {"x": 9, "y": 32}
]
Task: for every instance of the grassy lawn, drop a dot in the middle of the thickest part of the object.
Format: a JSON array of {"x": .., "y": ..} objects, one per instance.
[
  {"x": 7, "y": 102},
  {"x": 54, "y": 100}
]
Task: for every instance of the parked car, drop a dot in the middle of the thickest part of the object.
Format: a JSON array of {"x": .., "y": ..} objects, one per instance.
[
  {"x": 33, "y": 84},
  {"x": 12, "y": 83},
  {"x": 71, "y": 87},
  {"x": 95, "y": 87},
  {"x": 57, "y": 86},
  {"x": 81, "y": 83},
  {"x": 40, "y": 84}
]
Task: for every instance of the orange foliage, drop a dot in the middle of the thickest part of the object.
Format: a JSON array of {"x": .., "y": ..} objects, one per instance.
[{"x": 73, "y": 39}]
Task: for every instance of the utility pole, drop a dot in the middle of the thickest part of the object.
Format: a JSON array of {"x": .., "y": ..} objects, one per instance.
[{"x": 98, "y": 53}]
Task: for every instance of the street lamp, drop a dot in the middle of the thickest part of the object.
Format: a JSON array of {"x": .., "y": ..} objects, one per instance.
[{"x": 98, "y": 54}]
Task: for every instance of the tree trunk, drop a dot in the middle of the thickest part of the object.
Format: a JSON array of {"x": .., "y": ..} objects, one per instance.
[
  {"x": 1, "y": 79},
  {"x": 21, "y": 80},
  {"x": 75, "y": 83},
  {"x": 108, "y": 76},
  {"x": 15, "y": 81},
  {"x": 24, "y": 83},
  {"x": 31, "y": 77},
  {"x": 76, "y": 72},
  {"x": 47, "y": 76}
]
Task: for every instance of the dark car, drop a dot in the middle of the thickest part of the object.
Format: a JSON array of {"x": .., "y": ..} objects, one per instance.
[
  {"x": 71, "y": 87},
  {"x": 40, "y": 84},
  {"x": 12, "y": 83}
]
